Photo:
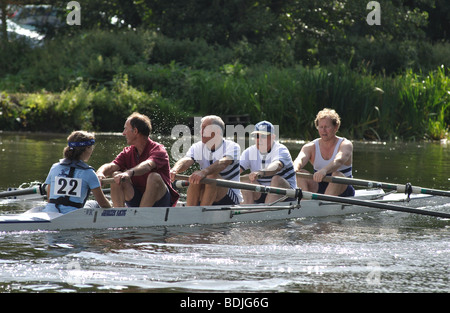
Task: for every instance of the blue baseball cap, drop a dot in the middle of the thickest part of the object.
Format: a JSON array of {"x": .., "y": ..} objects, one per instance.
[{"x": 264, "y": 128}]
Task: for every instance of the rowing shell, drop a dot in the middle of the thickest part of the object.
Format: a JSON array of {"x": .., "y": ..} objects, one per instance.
[{"x": 98, "y": 218}]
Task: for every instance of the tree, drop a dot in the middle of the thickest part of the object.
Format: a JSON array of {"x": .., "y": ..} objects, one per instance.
[
  {"x": 4, "y": 10},
  {"x": 4, "y": 30}
]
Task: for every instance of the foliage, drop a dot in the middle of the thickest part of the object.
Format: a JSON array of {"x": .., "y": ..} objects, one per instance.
[
  {"x": 409, "y": 106},
  {"x": 99, "y": 55},
  {"x": 318, "y": 32},
  {"x": 372, "y": 107},
  {"x": 277, "y": 60},
  {"x": 81, "y": 107}
]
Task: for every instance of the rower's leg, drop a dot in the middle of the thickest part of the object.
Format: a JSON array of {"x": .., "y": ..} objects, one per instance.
[
  {"x": 121, "y": 192},
  {"x": 334, "y": 189},
  {"x": 277, "y": 181},
  {"x": 154, "y": 190},
  {"x": 307, "y": 184},
  {"x": 193, "y": 194},
  {"x": 249, "y": 196},
  {"x": 211, "y": 192}
]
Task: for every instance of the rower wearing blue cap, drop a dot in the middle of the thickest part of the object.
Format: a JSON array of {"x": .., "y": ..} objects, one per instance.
[{"x": 269, "y": 162}]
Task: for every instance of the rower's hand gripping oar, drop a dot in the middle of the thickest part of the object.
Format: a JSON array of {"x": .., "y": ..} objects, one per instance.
[{"x": 314, "y": 196}]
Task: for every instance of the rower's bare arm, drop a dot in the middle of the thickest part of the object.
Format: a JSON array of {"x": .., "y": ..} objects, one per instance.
[
  {"x": 47, "y": 189},
  {"x": 139, "y": 170},
  {"x": 271, "y": 169},
  {"x": 100, "y": 197},
  {"x": 213, "y": 169},
  {"x": 143, "y": 168},
  {"x": 345, "y": 153},
  {"x": 343, "y": 156},
  {"x": 106, "y": 170},
  {"x": 180, "y": 166},
  {"x": 304, "y": 156},
  {"x": 217, "y": 166}
]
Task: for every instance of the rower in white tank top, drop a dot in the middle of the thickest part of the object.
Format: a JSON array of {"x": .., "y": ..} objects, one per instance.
[
  {"x": 327, "y": 123},
  {"x": 320, "y": 163}
]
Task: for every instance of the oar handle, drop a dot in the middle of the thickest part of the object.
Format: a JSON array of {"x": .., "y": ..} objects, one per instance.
[
  {"x": 181, "y": 177},
  {"x": 107, "y": 181}
]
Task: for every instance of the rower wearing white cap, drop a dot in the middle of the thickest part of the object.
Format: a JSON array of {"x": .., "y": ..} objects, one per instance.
[{"x": 269, "y": 162}]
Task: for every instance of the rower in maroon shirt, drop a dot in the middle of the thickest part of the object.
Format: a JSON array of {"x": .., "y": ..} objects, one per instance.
[{"x": 141, "y": 170}]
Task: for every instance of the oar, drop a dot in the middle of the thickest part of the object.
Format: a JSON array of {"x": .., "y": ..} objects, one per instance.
[
  {"x": 38, "y": 189},
  {"x": 107, "y": 181},
  {"x": 314, "y": 196},
  {"x": 407, "y": 188},
  {"x": 385, "y": 206},
  {"x": 246, "y": 207},
  {"x": 291, "y": 193}
]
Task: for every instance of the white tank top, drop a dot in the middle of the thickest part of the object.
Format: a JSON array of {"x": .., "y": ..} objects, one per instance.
[{"x": 320, "y": 163}]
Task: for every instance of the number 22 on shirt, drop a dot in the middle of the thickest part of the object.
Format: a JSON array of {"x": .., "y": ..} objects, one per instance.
[{"x": 65, "y": 186}]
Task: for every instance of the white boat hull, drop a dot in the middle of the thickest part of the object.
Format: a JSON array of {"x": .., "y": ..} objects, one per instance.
[{"x": 97, "y": 218}]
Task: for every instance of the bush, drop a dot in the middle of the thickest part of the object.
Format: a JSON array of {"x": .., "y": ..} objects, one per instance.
[
  {"x": 82, "y": 107},
  {"x": 95, "y": 80},
  {"x": 111, "y": 107},
  {"x": 10, "y": 112}
]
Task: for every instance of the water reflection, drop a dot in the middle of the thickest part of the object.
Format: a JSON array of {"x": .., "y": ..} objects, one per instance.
[
  {"x": 325, "y": 254},
  {"x": 333, "y": 254}
]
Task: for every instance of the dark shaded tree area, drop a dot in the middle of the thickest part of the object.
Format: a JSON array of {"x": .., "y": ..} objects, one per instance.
[
  {"x": 317, "y": 32},
  {"x": 227, "y": 21}
]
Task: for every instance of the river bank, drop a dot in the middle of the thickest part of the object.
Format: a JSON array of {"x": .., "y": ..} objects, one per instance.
[{"x": 408, "y": 107}]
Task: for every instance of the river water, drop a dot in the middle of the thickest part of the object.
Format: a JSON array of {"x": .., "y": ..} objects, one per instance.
[{"x": 373, "y": 252}]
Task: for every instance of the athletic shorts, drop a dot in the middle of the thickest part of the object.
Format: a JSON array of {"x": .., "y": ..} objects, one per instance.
[
  {"x": 349, "y": 192},
  {"x": 165, "y": 201},
  {"x": 230, "y": 198}
]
